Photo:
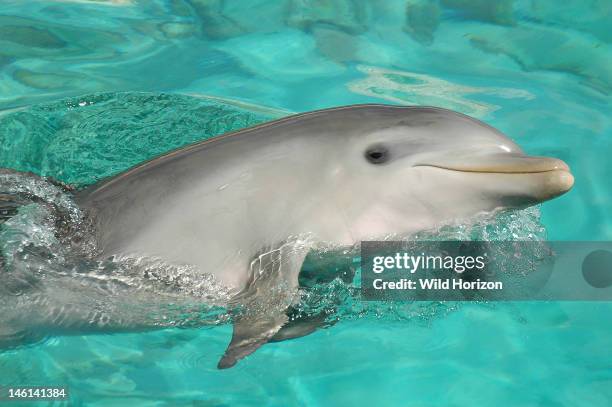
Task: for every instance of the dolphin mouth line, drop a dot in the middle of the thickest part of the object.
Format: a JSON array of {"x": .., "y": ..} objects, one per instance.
[
  {"x": 484, "y": 171},
  {"x": 499, "y": 164}
]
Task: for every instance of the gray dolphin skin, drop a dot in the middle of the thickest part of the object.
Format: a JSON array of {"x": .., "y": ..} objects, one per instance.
[{"x": 247, "y": 207}]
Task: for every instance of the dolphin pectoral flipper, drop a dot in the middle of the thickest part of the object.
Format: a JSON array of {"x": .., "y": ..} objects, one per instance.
[
  {"x": 264, "y": 302},
  {"x": 249, "y": 334}
]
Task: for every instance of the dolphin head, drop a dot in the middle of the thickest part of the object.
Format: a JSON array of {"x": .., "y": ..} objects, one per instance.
[{"x": 416, "y": 168}]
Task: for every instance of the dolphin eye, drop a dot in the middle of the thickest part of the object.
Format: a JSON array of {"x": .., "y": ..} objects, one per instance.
[{"x": 377, "y": 154}]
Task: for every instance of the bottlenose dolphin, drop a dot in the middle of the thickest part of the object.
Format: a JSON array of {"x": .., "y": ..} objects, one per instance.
[{"x": 249, "y": 205}]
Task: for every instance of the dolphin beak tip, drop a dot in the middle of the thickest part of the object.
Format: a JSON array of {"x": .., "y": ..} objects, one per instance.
[
  {"x": 554, "y": 183},
  {"x": 566, "y": 179}
]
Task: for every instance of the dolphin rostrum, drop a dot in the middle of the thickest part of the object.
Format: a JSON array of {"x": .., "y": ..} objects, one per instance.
[{"x": 247, "y": 206}]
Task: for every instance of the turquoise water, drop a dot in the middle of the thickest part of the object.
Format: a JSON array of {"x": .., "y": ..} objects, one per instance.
[{"x": 539, "y": 72}]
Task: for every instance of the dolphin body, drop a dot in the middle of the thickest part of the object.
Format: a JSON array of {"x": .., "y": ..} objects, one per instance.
[{"x": 247, "y": 206}]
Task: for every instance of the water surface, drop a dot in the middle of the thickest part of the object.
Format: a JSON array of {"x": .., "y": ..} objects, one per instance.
[{"x": 539, "y": 72}]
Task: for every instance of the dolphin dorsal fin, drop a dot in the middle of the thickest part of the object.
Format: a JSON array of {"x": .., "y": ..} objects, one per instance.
[{"x": 262, "y": 305}]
